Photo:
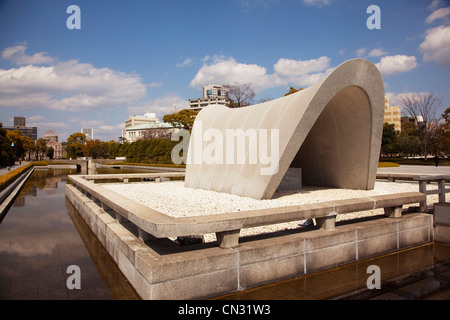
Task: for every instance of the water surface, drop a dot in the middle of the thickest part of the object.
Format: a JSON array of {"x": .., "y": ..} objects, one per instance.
[{"x": 41, "y": 236}]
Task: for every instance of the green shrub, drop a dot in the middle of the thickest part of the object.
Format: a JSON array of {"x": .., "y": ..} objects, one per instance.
[
  {"x": 387, "y": 164},
  {"x": 8, "y": 178}
]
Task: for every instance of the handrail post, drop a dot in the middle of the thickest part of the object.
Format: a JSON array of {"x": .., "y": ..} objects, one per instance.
[
  {"x": 441, "y": 184},
  {"x": 423, "y": 189},
  {"x": 228, "y": 239}
]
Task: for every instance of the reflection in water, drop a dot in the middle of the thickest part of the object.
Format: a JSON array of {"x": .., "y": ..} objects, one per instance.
[
  {"x": 40, "y": 238},
  {"x": 43, "y": 180}
]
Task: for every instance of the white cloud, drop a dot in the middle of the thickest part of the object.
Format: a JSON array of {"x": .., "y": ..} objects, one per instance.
[
  {"x": 68, "y": 85},
  {"x": 287, "y": 72},
  {"x": 396, "y": 64},
  {"x": 377, "y": 53},
  {"x": 436, "y": 46},
  {"x": 109, "y": 128},
  {"x": 161, "y": 106},
  {"x": 289, "y": 67},
  {"x": 155, "y": 84},
  {"x": 316, "y": 3},
  {"x": 227, "y": 71},
  {"x": 395, "y": 99},
  {"x": 361, "y": 51},
  {"x": 17, "y": 55},
  {"x": 185, "y": 63},
  {"x": 248, "y": 5},
  {"x": 434, "y": 4},
  {"x": 442, "y": 13}
]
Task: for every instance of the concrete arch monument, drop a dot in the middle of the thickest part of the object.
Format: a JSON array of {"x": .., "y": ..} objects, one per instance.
[{"x": 331, "y": 130}]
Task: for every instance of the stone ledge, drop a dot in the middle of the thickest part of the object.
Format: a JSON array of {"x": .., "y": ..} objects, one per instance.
[
  {"x": 159, "y": 269},
  {"x": 227, "y": 226}
]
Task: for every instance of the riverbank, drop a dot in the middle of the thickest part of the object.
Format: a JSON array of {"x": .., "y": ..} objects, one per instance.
[
  {"x": 9, "y": 174},
  {"x": 13, "y": 182}
]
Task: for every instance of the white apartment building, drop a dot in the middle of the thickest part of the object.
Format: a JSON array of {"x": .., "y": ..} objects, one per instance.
[
  {"x": 147, "y": 126},
  {"x": 134, "y": 120},
  {"x": 212, "y": 94},
  {"x": 89, "y": 133},
  {"x": 153, "y": 130}
]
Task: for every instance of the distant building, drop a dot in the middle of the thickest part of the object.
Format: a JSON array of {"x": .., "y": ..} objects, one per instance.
[
  {"x": 134, "y": 120},
  {"x": 89, "y": 133},
  {"x": 51, "y": 138},
  {"x": 152, "y": 130},
  {"x": 212, "y": 94},
  {"x": 20, "y": 124},
  {"x": 392, "y": 115}
]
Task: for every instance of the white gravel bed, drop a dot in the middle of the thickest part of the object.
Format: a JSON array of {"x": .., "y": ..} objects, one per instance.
[{"x": 175, "y": 200}]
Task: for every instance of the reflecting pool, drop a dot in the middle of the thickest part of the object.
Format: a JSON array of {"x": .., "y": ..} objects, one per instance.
[{"x": 41, "y": 236}]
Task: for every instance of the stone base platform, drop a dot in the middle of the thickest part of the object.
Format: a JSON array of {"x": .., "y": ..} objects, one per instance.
[{"x": 160, "y": 269}]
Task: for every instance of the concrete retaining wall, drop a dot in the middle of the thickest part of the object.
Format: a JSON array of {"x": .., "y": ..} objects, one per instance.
[{"x": 160, "y": 269}]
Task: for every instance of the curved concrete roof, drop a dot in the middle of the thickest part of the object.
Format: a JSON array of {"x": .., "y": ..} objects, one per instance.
[{"x": 332, "y": 130}]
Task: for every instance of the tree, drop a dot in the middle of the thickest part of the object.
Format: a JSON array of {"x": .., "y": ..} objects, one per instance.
[
  {"x": 441, "y": 141},
  {"x": 75, "y": 145},
  {"x": 41, "y": 148},
  {"x": 409, "y": 143},
  {"x": 293, "y": 90},
  {"x": 156, "y": 133},
  {"x": 96, "y": 149},
  {"x": 182, "y": 119},
  {"x": 20, "y": 144},
  {"x": 6, "y": 154},
  {"x": 265, "y": 99},
  {"x": 240, "y": 95},
  {"x": 446, "y": 115},
  {"x": 423, "y": 108},
  {"x": 50, "y": 153},
  {"x": 389, "y": 139}
]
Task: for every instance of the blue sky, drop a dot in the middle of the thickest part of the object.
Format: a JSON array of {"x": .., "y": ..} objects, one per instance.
[{"x": 132, "y": 57}]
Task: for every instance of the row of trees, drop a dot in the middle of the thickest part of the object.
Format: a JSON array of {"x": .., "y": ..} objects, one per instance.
[
  {"x": 425, "y": 135},
  {"x": 155, "y": 151},
  {"x": 15, "y": 146}
]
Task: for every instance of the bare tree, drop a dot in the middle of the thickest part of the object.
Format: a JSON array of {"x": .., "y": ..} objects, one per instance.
[
  {"x": 157, "y": 133},
  {"x": 423, "y": 109},
  {"x": 240, "y": 94}
]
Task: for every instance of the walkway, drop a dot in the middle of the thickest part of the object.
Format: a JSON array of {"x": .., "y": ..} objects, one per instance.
[
  {"x": 4, "y": 170},
  {"x": 419, "y": 170}
]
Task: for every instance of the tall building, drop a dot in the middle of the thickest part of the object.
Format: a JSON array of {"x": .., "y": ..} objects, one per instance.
[
  {"x": 89, "y": 133},
  {"x": 212, "y": 94},
  {"x": 214, "y": 91},
  {"x": 392, "y": 114},
  {"x": 20, "y": 124}
]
